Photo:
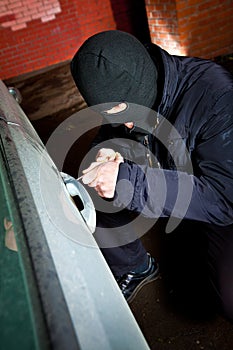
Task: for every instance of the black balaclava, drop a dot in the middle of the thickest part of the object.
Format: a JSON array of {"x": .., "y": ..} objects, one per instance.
[{"x": 112, "y": 67}]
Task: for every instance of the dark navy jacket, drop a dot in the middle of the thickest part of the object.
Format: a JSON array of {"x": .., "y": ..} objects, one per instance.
[{"x": 192, "y": 172}]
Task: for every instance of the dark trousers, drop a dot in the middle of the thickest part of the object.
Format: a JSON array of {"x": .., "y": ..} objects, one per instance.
[
  {"x": 118, "y": 241},
  {"x": 197, "y": 257}
]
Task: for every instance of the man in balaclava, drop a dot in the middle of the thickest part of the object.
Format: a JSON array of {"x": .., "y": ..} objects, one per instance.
[
  {"x": 169, "y": 124},
  {"x": 111, "y": 69}
]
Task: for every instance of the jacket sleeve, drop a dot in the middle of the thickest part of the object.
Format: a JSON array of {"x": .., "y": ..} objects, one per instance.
[{"x": 206, "y": 196}]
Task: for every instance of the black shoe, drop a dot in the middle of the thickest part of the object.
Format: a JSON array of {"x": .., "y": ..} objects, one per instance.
[{"x": 131, "y": 282}]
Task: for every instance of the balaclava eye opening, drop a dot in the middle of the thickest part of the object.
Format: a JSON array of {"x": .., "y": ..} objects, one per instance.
[{"x": 113, "y": 67}]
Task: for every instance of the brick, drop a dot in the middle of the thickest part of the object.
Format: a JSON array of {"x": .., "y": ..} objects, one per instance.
[
  {"x": 24, "y": 19},
  {"x": 39, "y": 15},
  {"x": 14, "y": 5},
  {"x": 19, "y": 26},
  {"x": 205, "y": 6},
  {"x": 48, "y": 18},
  {"x": 3, "y": 9},
  {"x": 8, "y": 24},
  {"x": 54, "y": 11},
  {"x": 187, "y": 12},
  {"x": 35, "y": 5}
]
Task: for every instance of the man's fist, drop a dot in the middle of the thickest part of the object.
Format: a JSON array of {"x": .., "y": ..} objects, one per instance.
[
  {"x": 105, "y": 181},
  {"x": 102, "y": 174}
]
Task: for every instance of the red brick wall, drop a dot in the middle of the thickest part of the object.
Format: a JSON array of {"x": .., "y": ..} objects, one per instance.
[
  {"x": 163, "y": 24},
  {"x": 35, "y": 34},
  {"x": 206, "y": 26},
  {"x": 193, "y": 27},
  {"x": 38, "y": 33}
]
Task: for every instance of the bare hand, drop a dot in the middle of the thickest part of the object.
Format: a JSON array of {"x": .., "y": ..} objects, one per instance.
[
  {"x": 105, "y": 181},
  {"x": 102, "y": 174}
]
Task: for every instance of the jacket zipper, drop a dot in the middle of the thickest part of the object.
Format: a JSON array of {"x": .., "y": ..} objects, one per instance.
[
  {"x": 148, "y": 156},
  {"x": 146, "y": 143}
]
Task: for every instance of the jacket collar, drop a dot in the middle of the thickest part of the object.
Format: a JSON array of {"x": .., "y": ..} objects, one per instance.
[{"x": 169, "y": 69}]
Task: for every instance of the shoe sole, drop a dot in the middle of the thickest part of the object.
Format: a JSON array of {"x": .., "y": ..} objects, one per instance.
[{"x": 153, "y": 277}]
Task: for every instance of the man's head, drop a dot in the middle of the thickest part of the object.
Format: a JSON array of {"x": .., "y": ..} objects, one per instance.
[{"x": 113, "y": 66}]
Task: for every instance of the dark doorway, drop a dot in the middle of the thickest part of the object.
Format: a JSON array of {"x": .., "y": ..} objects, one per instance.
[{"x": 131, "y": 16}]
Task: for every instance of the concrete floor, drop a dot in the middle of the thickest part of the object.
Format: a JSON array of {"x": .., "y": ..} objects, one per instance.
[{"x": 49, "y": 98}]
